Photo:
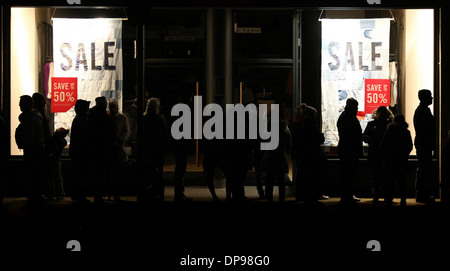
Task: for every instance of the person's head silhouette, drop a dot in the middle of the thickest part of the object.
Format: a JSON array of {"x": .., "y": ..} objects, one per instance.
[
  {"x": 26, "y": 103},
  {"x": 351, "y": 106},
  {"x": 425, "y": 97}
]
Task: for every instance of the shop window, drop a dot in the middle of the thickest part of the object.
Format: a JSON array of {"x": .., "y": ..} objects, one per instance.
[
  {"x": 263, "y": 34},
  {"x": 175, "y": 34},
  {"x": 265, "y": 85},
  {"x": 27, "y": 59},
  {"x": 376, "y": 61},
  {"x": 175, "y": 45},
  {"x": 65, "y": 58}
]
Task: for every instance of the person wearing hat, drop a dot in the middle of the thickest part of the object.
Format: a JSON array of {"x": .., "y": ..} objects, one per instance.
[{"x": 425, "y": 143}]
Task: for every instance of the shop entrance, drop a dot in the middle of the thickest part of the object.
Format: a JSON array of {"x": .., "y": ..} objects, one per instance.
[
  {"x": 266, "y": 57},
  {"x": 174, "y": 66},
  {"x": 264, "y": 60},
  {"x": 169, "y": 84},
  {"x": 264, "y": 64}
]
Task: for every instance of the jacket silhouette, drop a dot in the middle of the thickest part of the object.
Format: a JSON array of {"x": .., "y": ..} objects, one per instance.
[
  {"x": 373, "y": 135},
  {"x": 396, "y": 147},
  {"x": 78, "y": 151},
  {"x": 30, "y": 137},
  {"x": 349, "y": 148},
  {"x": 56, "y": 145},
  {"x": 425, "y": 142},
  {"x": 275, "y": 165},
  {"x": 155, "y": 141},
  {"x": 307, "y": 140},
  {"x": 100, "y": 137},
  {"x": 78, "y": 148}
]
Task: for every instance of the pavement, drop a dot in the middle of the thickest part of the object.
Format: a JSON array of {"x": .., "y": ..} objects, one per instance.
[{"x": 165, "y": 234}]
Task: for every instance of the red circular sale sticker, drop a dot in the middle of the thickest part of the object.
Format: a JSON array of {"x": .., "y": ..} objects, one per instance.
[
  {"x": 64, "y": 93},
  {"x": 377, "y": 93}
]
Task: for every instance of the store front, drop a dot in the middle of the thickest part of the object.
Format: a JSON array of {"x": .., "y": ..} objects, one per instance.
[{"x": 227, "y": 54}]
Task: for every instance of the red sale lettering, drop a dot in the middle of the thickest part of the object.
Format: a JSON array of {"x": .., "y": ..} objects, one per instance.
[
  {"x": 376, "y": 87},
  {"x": 58, "y": 86}
]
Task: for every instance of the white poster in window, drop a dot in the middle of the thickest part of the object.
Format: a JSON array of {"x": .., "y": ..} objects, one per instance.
[
  {"x": 90, "y": 50},
  {"x": 352, "y": 50}
]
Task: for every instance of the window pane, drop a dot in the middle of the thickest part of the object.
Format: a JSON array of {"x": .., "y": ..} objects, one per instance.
[
  {"x": 175, "y": 34},
  {"x": 274, "y": 40}
]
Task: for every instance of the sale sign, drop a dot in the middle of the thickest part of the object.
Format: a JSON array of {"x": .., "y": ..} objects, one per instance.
[
  {"x": 352, "y": 50},
  {"x": 64, "y": 93},
  {"x": 91, "y": 50},
  {"x": 377, "y": 93}
]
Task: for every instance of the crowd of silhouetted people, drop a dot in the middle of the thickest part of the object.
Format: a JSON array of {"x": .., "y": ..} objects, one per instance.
[
  {"x": 390, "y": 144},
  {"x": 98, "y": 136}
]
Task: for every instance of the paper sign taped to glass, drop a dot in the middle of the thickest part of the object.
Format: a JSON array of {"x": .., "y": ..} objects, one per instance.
[
  {"x": 64, "y": 93},
  {"x": 353, "y": 50},
  {"x": 90, "y": 50}
]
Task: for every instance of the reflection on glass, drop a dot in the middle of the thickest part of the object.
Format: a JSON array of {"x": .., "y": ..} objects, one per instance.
[
  {"x": 263, "y": 34},
  {"x": 175, "y": 34}
]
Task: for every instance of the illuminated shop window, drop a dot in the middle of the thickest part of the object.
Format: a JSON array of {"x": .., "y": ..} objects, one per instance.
[
  {"x": 64, "y": 58},
  {"x": 383, "y": 61}
]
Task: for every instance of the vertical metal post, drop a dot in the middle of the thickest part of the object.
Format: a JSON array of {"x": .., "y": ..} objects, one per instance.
[
  {"x": 140, "y": 70},
  {"x": 1, "y": 57},
  {"x": 296, "y": 55},
  {"x": 210, "y": 50},
  {"x": 240, "y": 92},
  {"x": 196, "y": 128},
  {"x": 296, "y": 74},
  {"x": 6, "y": 63},
  {"x": 228, "y": 72}
]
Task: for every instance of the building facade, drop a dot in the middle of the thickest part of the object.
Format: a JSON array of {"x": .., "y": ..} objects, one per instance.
[{"x": 229, "y": 52}]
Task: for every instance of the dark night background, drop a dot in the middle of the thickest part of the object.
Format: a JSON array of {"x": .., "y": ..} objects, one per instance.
[{"x": 291, "y": 234}]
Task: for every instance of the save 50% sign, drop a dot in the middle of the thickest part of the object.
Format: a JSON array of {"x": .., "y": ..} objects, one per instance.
[
  {"x": 64, "y": 93},
  {"x": 377, "y": 93}
]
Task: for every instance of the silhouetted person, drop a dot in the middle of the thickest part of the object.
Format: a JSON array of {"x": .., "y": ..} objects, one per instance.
[
  {"x": 275, "y": 165},
  {"x": 4, "y": 137},
  {"x": 349, "y": 148},
  {"x": 79, "y": 151},
  {"x": 257, "y": 158},
  {"x": 373, "y": 134},
  {"x": 118, "y": 158},
  {"x": 296, "y": 152},
  {"x": 396, "y": 146},
  {"x": 213, "y": 158},
  {"x": 100, "y": 136},
  {"x": 309, "y": 155},
  {"x": 130, "y": 110},
  {"x": 39, "y": 104},
  {"x": 425, "y": 142},
  {"x": 237, "y": 159},
  {"x": 237, "y": 163},
  {"x": 182, "y": 148},
  {"x": 55, "y": 148},
  {"x": 30, "y": 137},
  {"x": 155, "y": 141}
]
